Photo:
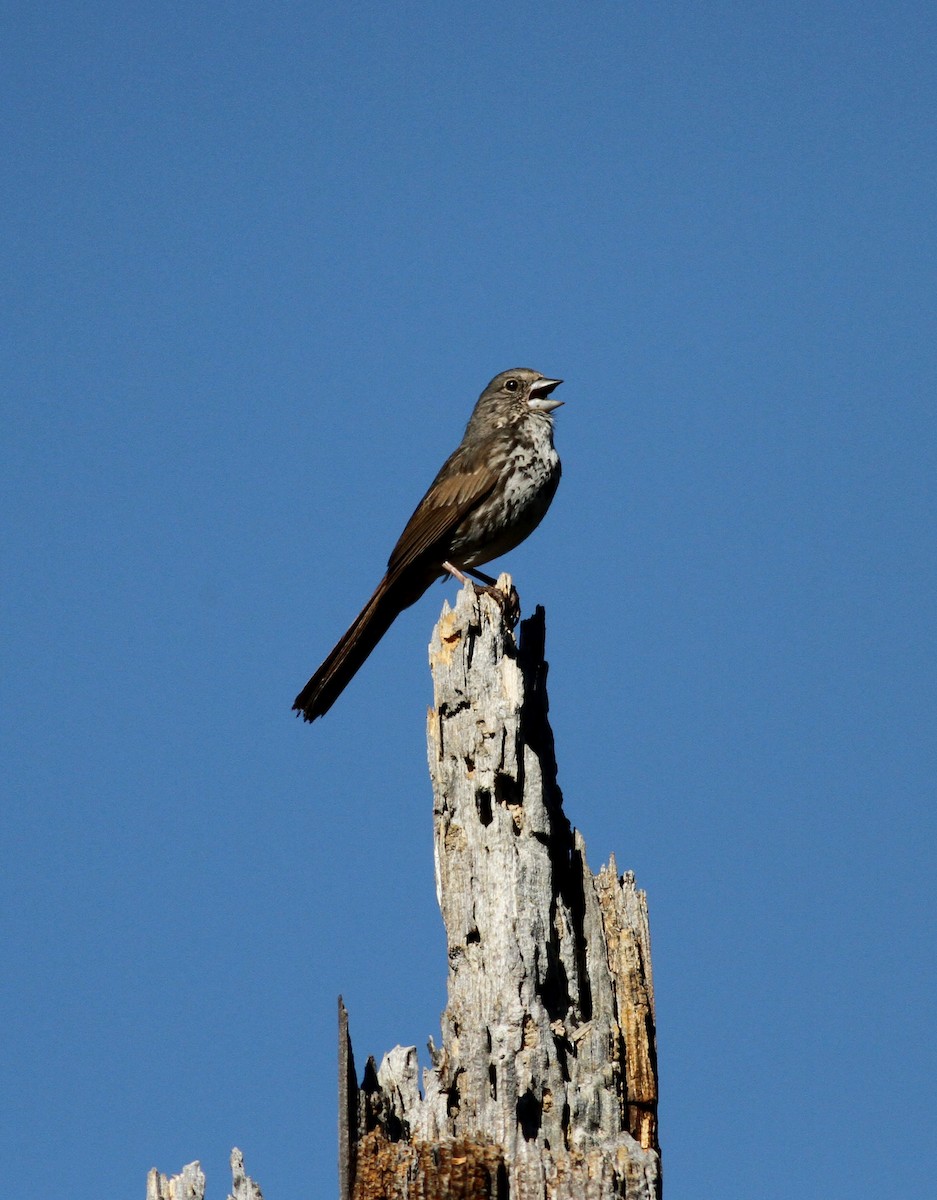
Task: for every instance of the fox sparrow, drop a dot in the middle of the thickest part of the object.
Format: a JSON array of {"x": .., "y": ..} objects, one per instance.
[{"x": 489, "y": 495}]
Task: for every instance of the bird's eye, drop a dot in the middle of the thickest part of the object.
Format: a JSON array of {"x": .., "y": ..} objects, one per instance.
[{"x": 511, "y": 386}]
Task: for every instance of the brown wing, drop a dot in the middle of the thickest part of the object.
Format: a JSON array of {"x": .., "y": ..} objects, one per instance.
[{"x": 453, "y": 494}]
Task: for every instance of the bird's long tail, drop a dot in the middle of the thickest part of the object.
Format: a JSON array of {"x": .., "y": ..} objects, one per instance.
[{"x": 389, "y": 600}]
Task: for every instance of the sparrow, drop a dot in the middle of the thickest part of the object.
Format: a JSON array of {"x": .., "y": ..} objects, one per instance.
[{"x": 489, "y": 495}]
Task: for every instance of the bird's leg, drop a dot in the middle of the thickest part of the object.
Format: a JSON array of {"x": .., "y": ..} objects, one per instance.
[
  {"x": 481, "y": 577},
  {"x": 456, "y": 573}
]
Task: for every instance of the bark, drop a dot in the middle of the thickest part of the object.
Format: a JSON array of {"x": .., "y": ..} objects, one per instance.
[{"x": 545, "y": 1084}]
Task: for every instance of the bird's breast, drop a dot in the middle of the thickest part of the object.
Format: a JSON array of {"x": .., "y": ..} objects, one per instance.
[
  {"x": 529, "y": 472},
  {"x": 528, "y": 475}
]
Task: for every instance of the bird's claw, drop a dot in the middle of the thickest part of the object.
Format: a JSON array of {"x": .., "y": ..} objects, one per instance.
[{"x": 508, "y": 601}]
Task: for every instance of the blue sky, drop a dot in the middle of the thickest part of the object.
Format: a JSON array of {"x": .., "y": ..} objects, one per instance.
[{"x": 260, "y": 259}]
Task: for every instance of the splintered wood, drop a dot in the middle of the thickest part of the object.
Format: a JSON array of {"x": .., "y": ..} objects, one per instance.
[
  {"x": 189, "y": 1184},
  {"x": 545, "y": 1084}
]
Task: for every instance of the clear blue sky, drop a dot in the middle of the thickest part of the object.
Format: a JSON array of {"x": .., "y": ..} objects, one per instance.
[{"x": 259, "y": 260}]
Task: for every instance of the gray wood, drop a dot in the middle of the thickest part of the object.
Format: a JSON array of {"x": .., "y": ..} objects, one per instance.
[
  {"x": 189, "y": 1184},
  {"x": 244, "y": 1188},
  {"x": 545, "y": 1083}
]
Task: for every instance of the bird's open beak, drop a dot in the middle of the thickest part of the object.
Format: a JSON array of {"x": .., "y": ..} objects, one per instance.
[{"x": 539, "y": 398}]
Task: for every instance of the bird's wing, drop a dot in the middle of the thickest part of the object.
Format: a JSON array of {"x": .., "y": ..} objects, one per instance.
[{"x": 451, "y": 497}]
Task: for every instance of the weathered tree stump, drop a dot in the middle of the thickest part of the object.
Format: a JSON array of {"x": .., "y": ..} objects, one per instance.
[{"x": 545, "y": 1084}]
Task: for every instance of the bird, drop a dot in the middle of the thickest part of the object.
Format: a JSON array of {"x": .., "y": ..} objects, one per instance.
[{"x": 489, "y": 495}]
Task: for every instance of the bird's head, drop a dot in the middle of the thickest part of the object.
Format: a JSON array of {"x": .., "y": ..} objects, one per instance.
[{"x": 514, "y": 394}]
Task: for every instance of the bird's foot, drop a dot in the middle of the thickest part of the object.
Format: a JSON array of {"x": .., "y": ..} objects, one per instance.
[{"x": 508, "y": 601}]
